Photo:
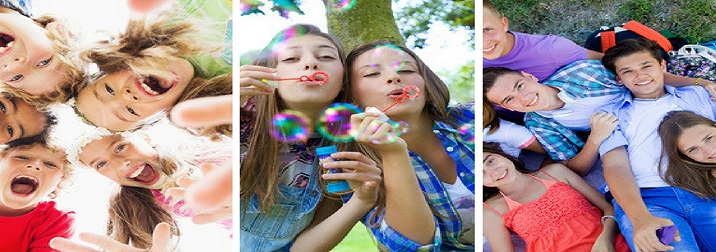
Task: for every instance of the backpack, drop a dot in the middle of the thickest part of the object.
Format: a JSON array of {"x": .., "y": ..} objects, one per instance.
[
  {"x": 606, "y": 37},
  {"x": 695, "y": 61}
]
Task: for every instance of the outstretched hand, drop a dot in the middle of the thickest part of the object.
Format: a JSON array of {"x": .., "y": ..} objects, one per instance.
[
  {"x": 208, "y": 213},
  {"x": 160, "y": 237}
]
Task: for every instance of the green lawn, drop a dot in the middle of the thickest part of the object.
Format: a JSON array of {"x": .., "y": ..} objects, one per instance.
[{"x": 358, "y": 240}]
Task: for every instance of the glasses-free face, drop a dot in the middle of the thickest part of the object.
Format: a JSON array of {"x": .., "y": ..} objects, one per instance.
[
  {"x": 379, "y": 76},
  {"x": 496, "y": 170},
  {"x": 698, "y": 143},
  {"x": 123, "y": 100},
  {"x": 304, "y": 56},
  {"x": 27, "y": 60},
  {"x": 495, "y": 40},
  {"x": 522, "y": 92},
  {"x": 642, "y": 74},
  {"x": 19, "y": 119},
  {"x": 29, "y": 175},
  {"x": 130, "y": 161}
]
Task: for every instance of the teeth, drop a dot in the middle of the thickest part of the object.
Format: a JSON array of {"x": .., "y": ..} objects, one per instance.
[
  {"x": 534, "y": 101},
  {"x": 643, "y": 83},
  {"x": 6, "y": 48},
  {"x": 31, "y": 178},
  {"x": 503, "y": 175},
  {"x": 137, "y": 172},
  {"x": 148, "y": 89},
  {"x": 489, "y": 49}
]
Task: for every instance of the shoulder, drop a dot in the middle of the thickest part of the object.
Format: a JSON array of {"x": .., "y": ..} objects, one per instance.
[
  {"x": 556, "y": 170},
  {"x": 497, "y": 203}
]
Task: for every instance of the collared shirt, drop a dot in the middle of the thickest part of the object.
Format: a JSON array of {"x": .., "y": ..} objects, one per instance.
[
  {"x": 449, "y": 226},
  {"x": 583, "y": 82},
  {"x": 638, "y": 123}
]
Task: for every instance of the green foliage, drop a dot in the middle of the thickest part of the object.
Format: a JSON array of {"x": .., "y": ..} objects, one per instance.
[
  {"x": 357, "y": 240},
  {"x": 415, "y": 18},
  {"x": 700, "y": 15},
  {"x": 461, "y": 83},
  {"x": 640, "y": 10}
]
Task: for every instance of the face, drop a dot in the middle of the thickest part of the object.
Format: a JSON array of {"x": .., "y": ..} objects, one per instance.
[
  {"x": 522, "y": 92},
  {"x": 19, "y": 119},
  {"x": 304, "y": 56},
  {"x": 130, "y": 161},
  {"x": 698, "y": 143},
  {"x": 495, "y": 39},
  {"x": 122, "y": 100},
  {"x": 29, "y": 176},
  {"x": 642, "y": 74},
  {"x": 379, "y": 77},
  {"x": 496, "y": 170},
  {"x": 27, "y": 60}
]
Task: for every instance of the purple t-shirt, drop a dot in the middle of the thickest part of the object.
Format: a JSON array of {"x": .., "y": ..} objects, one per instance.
[{"x": 539, "y": 55}]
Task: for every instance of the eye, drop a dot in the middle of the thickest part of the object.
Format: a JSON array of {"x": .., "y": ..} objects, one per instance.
[
  {"x": 326, "y": 57},
  {"x": 10, "y": 131},
  {"x": 44, "y": 62},
  {"x": 708, "y": 139},
  {"x": 373, "y": 74},
  {"x": 16, "y": 78},
  {"x": 290, "y": 59},
  {"x": 690, "y": 150},
  {"x": 508, "y": 100},
  {"x": 50, "y": 164},
  {"x": 100, "y": 165},
  {"x": 131, "y": 111},
  {"x": 21, "y": 157},
  {"x": 2, "y": 107},
  {"x": 519, "y": 86},
  {"x": 406, "y": 71},
  {"x": 109, "y": 89},
  {"x": 119, "y": 148}
]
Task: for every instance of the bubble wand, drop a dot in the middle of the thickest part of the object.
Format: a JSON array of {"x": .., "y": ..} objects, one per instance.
[
  {"x": 318, "y": 77},
  {"x": 405, "y": 95}
]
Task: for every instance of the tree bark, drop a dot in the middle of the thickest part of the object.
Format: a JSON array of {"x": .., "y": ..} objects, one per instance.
[{"x": 367, "y": 21}]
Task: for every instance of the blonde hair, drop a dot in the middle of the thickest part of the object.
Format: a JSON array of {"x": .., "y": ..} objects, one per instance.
[{"x": 51, "y": 145}]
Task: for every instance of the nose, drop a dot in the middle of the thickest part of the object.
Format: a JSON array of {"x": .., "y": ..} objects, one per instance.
[
  {"x": 129, "y": 96},
  {"x": 394, "y": 79},
  {"x": 36, "y": 164},
  {"x": 310, "y": 66}
]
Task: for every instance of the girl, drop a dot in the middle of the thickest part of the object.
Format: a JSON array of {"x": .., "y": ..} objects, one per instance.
[
  {"x": 145, "y": 170},
  {"x": 145, "y": 70},
  {"x": 281, "y": 194},
  {"x": 513, "y": 137},
  {"x": 552, "y": 209},
  {"x": 442, "y": 161},
  {"x": 688, "y": 140}
]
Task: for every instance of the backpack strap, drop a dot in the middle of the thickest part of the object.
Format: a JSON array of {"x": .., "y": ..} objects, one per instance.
[
  {"x": 609, "y": 39},
  {"x": 649, "y": 33}
]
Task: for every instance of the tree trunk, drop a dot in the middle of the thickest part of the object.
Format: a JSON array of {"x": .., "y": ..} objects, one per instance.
[{"x": 367, "y": 21}]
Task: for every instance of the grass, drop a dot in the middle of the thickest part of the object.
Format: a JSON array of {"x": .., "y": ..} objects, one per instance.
[{"x": 358, "y": 240}]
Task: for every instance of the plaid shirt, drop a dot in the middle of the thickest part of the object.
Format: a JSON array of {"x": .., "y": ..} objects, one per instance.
[
  {"x": 581, "y": 79},
  {"x": 449, "y": 226}
]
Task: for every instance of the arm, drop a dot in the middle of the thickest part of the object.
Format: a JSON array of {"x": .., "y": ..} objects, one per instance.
[
  {"x": 602, "y": 125},
  {"x": 495, "y": 231},
  {"x": 160, "y": 236},
  {"x": 683, "y": 81},
  {"x": 561, "y": 143},
  {"x": 594, "y": 55},
  {"x": 622, "y": 184},
  {"x": 536, "y": 147}
]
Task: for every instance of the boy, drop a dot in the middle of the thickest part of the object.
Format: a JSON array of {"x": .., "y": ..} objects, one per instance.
[
  {"x": 30, "y": 173},
  {"x": 643, "y": 202}
]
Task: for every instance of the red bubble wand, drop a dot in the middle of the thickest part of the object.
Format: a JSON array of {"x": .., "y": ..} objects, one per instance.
[
  {"x": 406, "y": 95},
  {"x": 318, "y": 77}
]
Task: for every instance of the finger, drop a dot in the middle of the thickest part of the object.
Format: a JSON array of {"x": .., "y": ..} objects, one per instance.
[
  {"x": 161, "y": 237},
  {"x": 353, "y": 176},
  {"x": 206, "y": 168},
  {"x": 384, "y": 134},
  {"x": 203, "y": 112},
  {"x": 357, "y": 156},
  {"x": 363, "y": 127},
  {"x": 211, "y": 192},
  {"x": 103, "y": 242},
  {"x": 64, "y": 244},
  {"x": 176, "y": 192},
  {"x": 256, "y": 68},
  {"x": 185, "y": 181},
  {"x": 212, "y": 216}
]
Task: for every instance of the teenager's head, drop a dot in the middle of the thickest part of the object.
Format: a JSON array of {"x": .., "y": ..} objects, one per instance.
[
  {"x": 31, "y": 173},
  {"x": 518, "y": 91},
  {"x": 143, "y": 72},
  {"x": 498, "y": 168},
  {"x": 379, "y": 71},
  {"x": 689, "y": 143},
  {"x": 637, "y": 63},
  {"x": 35, "y": 60},
  {"x": 496, "y": 41},
  {"x": 20, "y": 121}
]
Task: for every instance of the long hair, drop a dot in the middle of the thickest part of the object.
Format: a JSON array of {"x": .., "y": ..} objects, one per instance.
[
  {"x": 682, "y": 171},
  {"x": 494, "y": 148},
  {"x": 489, "y": 117}
]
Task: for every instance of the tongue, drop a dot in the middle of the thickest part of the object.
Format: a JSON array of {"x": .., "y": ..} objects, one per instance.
[
  {"x": 147, "y": 174},
  {"x": 20, "y": 188}
]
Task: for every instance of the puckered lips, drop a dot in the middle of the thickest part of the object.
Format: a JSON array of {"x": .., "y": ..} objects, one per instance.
[
  {"x": 395, "y": 93},
  {"x": 152, "y": 85},
  {"x": 7, "y": 41},
  {"x": 143, "y": 173},
  {"x": 316, "y": 79},
  {"x": 24, "y": 185}
]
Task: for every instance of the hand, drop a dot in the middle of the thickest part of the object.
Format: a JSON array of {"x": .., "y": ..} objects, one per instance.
[
  {"x": 144, "y": 6},
  {"x": 361, "y": 172},
  {"x": 210, "y": 196},
  {"x": 604, "y": 243},
  {"x": 602, "y": 125},
  {"x": 251, "y": 82},
  {"x": 202, "y": 112},
  {"x": 709, "y": 86},
  {"x": 645, "y": 238},
  {"x": 369, "y": 128},
  {"x": 160, "y": 242}
]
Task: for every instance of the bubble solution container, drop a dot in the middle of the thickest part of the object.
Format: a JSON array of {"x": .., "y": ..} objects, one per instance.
[{"x": 332, "y": 186}]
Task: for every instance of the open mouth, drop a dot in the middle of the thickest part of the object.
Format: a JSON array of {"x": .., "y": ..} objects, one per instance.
[
  {"x": 24, "y": 185},
  {"x": 144, "y": 173},
  {"x": 643, "y": 83},
  {"x": 6, "y": 43},
  {"x": 489, "y": 50},
  {"x": 153, "y": 85},
  {"x": 398, "y": 92},
  {"x": 504, "y": 174}
]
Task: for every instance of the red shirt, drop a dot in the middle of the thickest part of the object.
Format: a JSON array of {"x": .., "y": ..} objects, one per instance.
[{"x": 34, "y": 230}]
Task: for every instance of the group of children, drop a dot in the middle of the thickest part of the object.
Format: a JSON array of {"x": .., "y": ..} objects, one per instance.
[
  {"x": 620, "y": 114},
  {"x": 121, "y": 87}
]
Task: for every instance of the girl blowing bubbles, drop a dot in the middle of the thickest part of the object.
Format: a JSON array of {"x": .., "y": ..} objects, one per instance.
[{"x": 689, "y": 142}]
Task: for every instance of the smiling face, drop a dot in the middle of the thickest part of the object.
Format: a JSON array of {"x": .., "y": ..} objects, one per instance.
[
  {"x": 642, "y": 74},
  {"x": 19, "y": 119},
  {"x": 120, "y": 101},
  {"x": 497, "y": 170},
  {"x": 27, "y": 60},
  {"x": 522, "y": 92},
  {"x": 29, "y": 176},
  {"x": 496, "y": 41},
  {"x": 378, "y": 77},
  {"x": 698, "y": 143},
  {"x": 304, "y": 56},
  {"x": 130, "y": 161}
]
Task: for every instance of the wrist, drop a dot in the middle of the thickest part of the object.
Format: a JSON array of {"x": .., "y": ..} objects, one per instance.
[{"x": 696, "y": 82}]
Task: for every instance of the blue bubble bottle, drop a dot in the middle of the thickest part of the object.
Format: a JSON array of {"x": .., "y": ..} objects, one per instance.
[{"x": 332, "y": 186}]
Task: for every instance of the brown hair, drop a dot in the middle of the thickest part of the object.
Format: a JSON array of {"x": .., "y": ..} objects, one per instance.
[
  {"x": 489, "y": 117},
  {"x": 682, "y": 171},
  {"x": 628, "y": 47},
  {"x": 494, "y": 148},
  {"x": 490, "y": 76},
  {"x": 488, "y": 6},
  {"x": 51, "y": 145}
]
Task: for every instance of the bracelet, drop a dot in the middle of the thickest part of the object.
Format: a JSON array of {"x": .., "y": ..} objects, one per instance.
[
  {"x": 605, "y": 217},
  {"x": 696, "y": 82}
]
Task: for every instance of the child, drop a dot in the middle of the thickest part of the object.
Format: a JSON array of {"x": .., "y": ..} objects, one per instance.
[
  {"x": 552, "y": 209},
  {"x": 512, "y": 136},
  {"x": 144, "y": 71},
  {"x": 33, "y": 172},
  {"x": 274, "y": 208},
  {"x": 21, "y": 122},
  {"x": 688, "y": 141},
  {"x": 36, "y": 61},
  {"x": 643, "y": 201},
  {"x": 442, "y": 161},
  {"x": 144, "y": 168}
]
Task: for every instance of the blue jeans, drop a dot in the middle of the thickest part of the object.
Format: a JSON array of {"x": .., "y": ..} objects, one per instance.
[{"x": 695, "y": 217}]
